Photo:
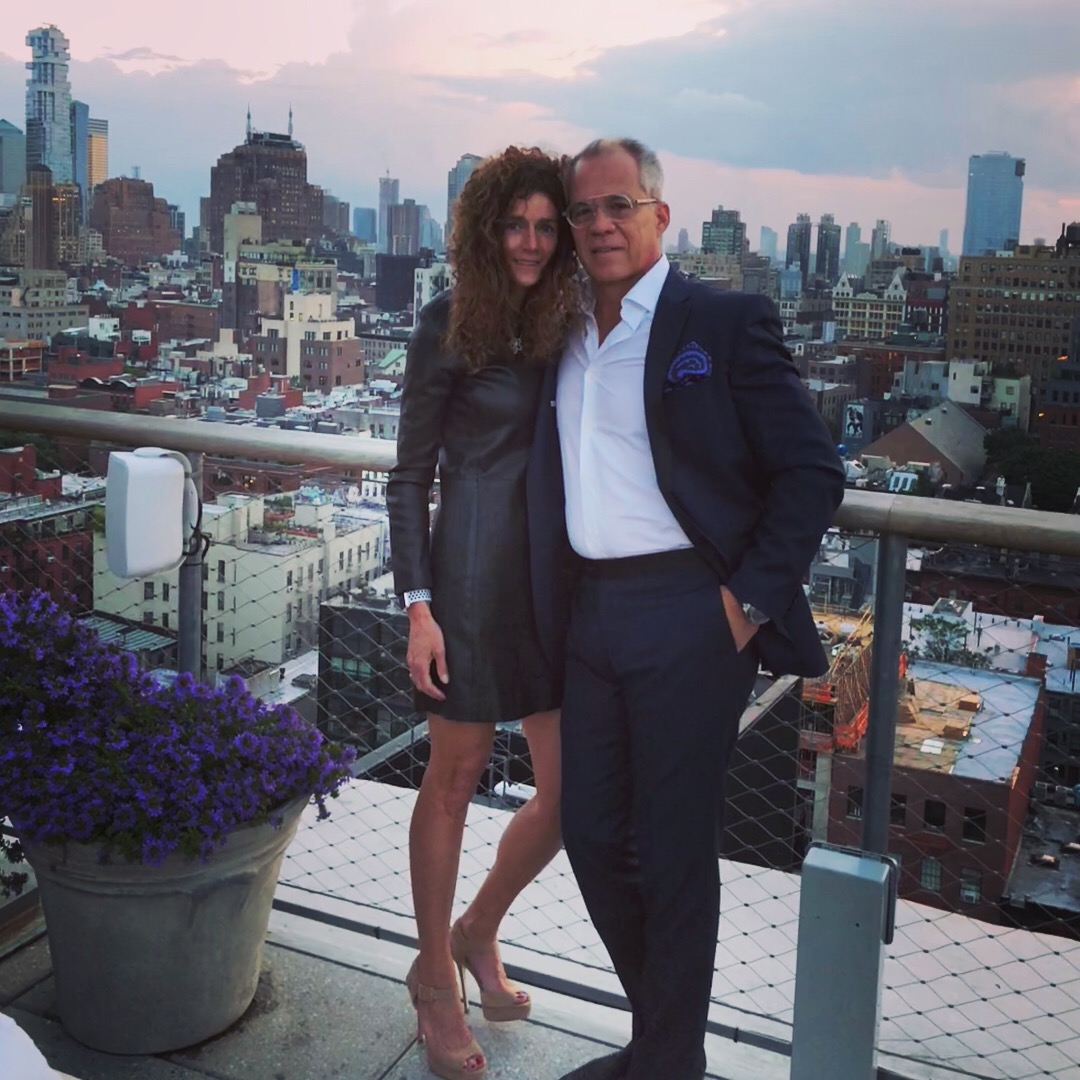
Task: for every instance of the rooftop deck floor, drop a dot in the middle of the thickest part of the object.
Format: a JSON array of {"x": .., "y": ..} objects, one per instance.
[{"x": 961, "y": 998}]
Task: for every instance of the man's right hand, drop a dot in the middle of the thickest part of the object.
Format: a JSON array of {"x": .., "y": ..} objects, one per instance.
[{"x": 425, "y": 646}]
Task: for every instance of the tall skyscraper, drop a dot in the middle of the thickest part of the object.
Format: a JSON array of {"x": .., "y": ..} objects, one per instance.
[
  {"x": 798, "y": 245},
  {"x": 455, "y": 181},
  {"x": 80, "y": 148},
  {"x": 365, "y": 224},
  {"x": 335, "y": 215},
  {"x": 767, "y": 243},
  {"x": 404, "y": 223},
  {"x": 995, "y": 193},
  {"x": 943, "y": 242},
  {"x": 97, "y": 154},
  {"x": 723, "y": 233},
  {"x": 879, "y": 239},
  {"x": 431, "y": 234},
  {"x": 41, "y": 247},
  {"x": 683, "y": 245},
  {"x": 389, "y": 190},
  {"x": 177, "y": 221},
  {"x": 48, "y": 104},
  {"x": 12, "y": 158},
  {"x": 269, "y": 170},
  {"x": 852, "y": 236},
  {"x": 828, "y": 249}
]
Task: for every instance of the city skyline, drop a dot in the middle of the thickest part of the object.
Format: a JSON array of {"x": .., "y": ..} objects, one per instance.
[{"x": 735, "y": 102}]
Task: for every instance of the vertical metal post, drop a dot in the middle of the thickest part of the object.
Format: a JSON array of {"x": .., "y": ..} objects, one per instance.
[
  {"x": 884, "y": 686},
  {"x": 845, "y": 909},
  {"x": 189, "y": 593}
]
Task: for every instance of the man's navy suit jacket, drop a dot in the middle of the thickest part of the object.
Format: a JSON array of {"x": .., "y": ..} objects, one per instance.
[{"x": 742, "y": 458}]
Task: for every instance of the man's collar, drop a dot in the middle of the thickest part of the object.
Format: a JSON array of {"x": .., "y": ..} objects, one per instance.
[{"x": 643, "y": 296}]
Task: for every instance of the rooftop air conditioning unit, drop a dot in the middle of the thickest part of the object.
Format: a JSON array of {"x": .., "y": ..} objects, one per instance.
[{"x": 1046, "y": 861}]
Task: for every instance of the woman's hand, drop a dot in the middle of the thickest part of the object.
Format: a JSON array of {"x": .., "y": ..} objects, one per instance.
[{"x": 426, "y": 645}]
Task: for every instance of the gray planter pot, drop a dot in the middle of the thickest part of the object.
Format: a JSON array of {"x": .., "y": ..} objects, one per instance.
[{"x": 155, "y": 958}]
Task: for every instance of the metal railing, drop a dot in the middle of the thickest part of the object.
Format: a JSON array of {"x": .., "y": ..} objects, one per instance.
[{"x": 794, "y": 744}]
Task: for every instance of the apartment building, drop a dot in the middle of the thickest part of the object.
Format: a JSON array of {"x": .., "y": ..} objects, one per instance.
[{"x": 272, "y": 560}]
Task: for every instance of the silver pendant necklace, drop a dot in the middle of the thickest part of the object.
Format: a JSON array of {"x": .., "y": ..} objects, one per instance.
[{"x": 515, "y": 345}]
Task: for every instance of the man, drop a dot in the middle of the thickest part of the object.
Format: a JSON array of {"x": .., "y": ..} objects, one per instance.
[{"x": 697, "y": 481}]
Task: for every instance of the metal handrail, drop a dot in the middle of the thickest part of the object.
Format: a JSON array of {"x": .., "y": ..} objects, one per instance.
[
  {"x": 193, "y": 436},
  {"x": 922, "y": 519}
]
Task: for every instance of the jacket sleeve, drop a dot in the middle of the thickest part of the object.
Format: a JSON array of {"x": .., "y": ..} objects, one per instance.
[
  {"x": 426, "y": 389},
  {"x": 792, "y": 448}
]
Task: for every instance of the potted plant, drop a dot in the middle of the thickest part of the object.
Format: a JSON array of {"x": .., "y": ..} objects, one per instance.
[{"x": 155, "y": 818}]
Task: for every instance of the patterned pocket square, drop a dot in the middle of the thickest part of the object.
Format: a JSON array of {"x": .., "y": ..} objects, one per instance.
[{"x": 692, "y": 365}]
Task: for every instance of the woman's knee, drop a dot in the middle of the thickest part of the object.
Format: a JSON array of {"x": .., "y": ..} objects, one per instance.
[{"x": 453, "y": 782}]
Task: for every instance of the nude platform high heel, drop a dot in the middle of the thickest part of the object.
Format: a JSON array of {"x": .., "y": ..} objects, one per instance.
[
  {"x": 498, "y": 1006},
  {"x": 446, "y": 1064}
]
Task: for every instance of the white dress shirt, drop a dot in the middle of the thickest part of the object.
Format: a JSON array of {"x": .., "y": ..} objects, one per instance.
[{"x": 613, "y": 503}]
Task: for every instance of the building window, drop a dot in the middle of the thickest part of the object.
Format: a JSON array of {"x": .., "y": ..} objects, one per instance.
[
  {"x": 930, "y": 874},
  {"x": 934, "y": 815},
  {"x": 288, "y": 580},
  {"x": 148, "y": 590},
  {"x": 288, "y": 612},
  {"x": 165, "y": 620},
  {"x": 854, "y": 802},
  {"x": 974, "y": 825},
  {"x": 898, "y": 810},
  {"x": 221, "y": 571},
  {"x": 165, "y": 591},
  {"x": 970, "y": 886},
  {"x": 221, "y": 601},
  {"x": 220, "y": 632}
]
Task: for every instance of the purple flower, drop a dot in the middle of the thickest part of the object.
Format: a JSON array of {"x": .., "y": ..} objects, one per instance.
[{"x": 92, "y": 750}]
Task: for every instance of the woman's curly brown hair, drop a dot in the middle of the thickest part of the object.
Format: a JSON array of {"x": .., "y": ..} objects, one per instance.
[{"x": 483, "y": 318}]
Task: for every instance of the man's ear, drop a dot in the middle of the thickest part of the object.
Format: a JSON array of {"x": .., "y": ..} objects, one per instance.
[{"x": 663, "y": 216}]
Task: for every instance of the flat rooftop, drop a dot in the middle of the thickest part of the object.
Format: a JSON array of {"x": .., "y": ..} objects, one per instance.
[
  {"x": 964, "y": 721},
  {"x": 1034, "y": 879}
]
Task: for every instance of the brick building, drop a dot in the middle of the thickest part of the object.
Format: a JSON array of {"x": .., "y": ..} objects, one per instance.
[
  {"x": 1018, "y": 309},
  {"x": 18, "y": 359},
  {"x": 269, "y": 170},
  {"x": 134, "y": 225},
  {"x": 46, "y": 542},
  {"x": 965, "y": 760}
]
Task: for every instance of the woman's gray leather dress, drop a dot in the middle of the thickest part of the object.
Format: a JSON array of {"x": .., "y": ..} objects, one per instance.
[{"x": 478, "y": 428}]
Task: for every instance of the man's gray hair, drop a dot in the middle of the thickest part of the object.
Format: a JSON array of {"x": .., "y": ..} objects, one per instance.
[{"x": 650, "y": 171}]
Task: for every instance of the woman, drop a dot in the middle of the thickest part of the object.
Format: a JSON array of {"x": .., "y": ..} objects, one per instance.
[{"x": 472, "y": 381}]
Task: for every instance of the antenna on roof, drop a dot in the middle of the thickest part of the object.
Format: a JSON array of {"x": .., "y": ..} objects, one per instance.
[
  {"x": 290, "y": 119},
  {"x": 249, "y": 124}
]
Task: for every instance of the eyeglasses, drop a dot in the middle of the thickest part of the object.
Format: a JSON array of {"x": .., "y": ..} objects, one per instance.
[{"x": 616, "y": 208}]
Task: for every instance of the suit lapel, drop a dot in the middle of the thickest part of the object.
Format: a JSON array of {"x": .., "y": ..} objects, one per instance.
[{"x": 672, "y": 309}]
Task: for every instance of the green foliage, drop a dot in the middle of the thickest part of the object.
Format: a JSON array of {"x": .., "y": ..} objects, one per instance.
[
  {"x": 1004, "y": 445},
  {"x": 941, "y": 638},
  {"x": 1053, "y": 472}
]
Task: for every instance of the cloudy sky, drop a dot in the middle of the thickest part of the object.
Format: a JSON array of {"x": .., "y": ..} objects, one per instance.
[{"x": 859, "y": 108}]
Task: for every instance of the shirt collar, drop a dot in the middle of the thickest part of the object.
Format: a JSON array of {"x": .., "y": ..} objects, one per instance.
[{"x": 643, "y": 297}]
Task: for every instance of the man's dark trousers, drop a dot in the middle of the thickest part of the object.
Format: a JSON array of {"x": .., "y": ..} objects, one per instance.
[{"x": 654, "y": 692}]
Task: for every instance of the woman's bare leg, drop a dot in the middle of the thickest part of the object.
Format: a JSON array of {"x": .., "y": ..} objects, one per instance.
[
  {"x": 459, "y": 754},
  {"x": 528, "y": 844}
]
